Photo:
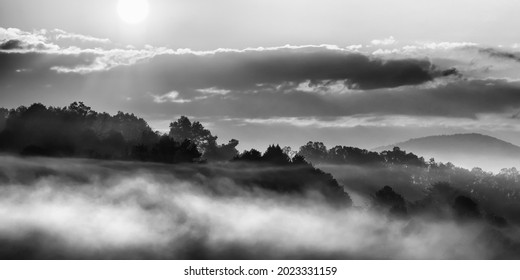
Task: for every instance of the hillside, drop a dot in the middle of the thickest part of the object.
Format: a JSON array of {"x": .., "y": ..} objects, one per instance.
[{"x": 466, "y": 150}]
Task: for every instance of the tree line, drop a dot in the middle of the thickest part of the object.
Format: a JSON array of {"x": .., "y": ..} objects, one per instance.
[
  {"x": 79, "y": 131},
  {"x": 318, "y": 153}
]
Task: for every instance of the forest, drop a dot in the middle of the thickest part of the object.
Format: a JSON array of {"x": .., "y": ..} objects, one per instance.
[{"x": 395, "y": 185}]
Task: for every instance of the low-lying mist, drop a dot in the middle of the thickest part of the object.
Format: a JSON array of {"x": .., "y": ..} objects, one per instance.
[{"x": 85, "y": 209}]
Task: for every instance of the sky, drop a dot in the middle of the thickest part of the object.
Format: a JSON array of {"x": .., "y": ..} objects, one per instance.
[{"x": 361, "y": 73}]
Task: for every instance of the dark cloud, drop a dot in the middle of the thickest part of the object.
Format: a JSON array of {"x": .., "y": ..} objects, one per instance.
[
  {"x": 234, "y": 69},
  {"x": 41, "y": 63},
  {"x": 11, "y": 45},
  {"x": 245, "y": 70},
  {"x": 496, "y": 53},
  {"x": 456, "y": 99},
  {"x": 24, "y": 45},
  {"x": 451, "y": 72}
]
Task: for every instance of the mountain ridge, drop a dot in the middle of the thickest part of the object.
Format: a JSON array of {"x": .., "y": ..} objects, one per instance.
[
  {"x": 476, "y": 136},
  {"x": 465, "y": 149}
]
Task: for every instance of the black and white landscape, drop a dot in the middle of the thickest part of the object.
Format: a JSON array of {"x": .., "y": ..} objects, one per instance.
[{"x": 259, "y": 129}]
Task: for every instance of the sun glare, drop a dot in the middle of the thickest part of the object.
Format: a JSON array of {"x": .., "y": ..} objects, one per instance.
[{"x": 133, "y": 11}]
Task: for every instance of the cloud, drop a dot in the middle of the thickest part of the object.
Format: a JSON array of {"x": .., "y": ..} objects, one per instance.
[
  {"x": 17, "y": 39},
  {"x": 250, "y": 70},
  {"x": 11, "y": 44},
  {"x": 501, "y": 54},
  {"x": 56, "y": 40},
  {"x": 172, "y": 97},
  {"x": 63, "y": 35},
  {"x": 229, "y": 69},
  {"x": 105, "y": 60},
  {"x": 214, "y": 91},
  {"x": 446, "y": 45},
  {"x": 38, "y": 64},
  {"x": 385, "y": 42},
  {"x": 488, "y": 122}
]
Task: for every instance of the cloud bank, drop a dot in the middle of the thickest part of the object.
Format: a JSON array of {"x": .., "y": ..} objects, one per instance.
[{"x": 458, "y": 82}]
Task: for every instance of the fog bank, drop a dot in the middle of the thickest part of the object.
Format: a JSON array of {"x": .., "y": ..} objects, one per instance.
[{"x": 85, "y": 209}]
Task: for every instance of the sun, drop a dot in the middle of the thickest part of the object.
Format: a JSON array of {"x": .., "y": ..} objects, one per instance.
[{"x": 133, "y": 11}]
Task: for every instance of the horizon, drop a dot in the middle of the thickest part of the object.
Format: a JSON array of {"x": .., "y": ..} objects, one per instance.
[
  {"x": 166, "y": 130},
  {"x": 468, "y": 153}
]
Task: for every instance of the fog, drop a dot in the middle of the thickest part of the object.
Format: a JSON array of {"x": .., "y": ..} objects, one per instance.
[
  {"x": 490, "y": 163},
  {"x": 85, "y": 209},
  {"x": 362, "y": 181}
]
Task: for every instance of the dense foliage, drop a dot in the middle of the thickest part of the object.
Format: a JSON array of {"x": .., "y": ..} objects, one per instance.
[
  {"x": 78, "y": 131},
  {"x": 318, "y": 153},
  {"x": 425, "y": 183},
  {"x": 277, "y": 171}
]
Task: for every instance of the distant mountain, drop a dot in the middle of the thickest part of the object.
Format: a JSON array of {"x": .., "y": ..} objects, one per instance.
[{"x": 465, "y": 150}]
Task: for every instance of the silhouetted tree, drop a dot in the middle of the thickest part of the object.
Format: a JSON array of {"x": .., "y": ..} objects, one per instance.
[
  {"x": 225, "y": 152},
  {"x": 275, "y": 155},
  {"x": 465, "y": 208},
  {"x": 186, "y": 152},
  {"x": 316, "y": 152},
  {"x": 351, "y": 155},
  {"x": 183, "y": 129},
  {"x": 3, "y": 117},
  {"x": 250, "y": 156},
  {"x": 80, "y": 110},
  {"x": 294, "y": 176},
  {"x": 299, "y": 160},
  {"x": 113, "y": 146},
  {"x": 394, "y": 202},
  {"x": 397, "y": 156}
]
